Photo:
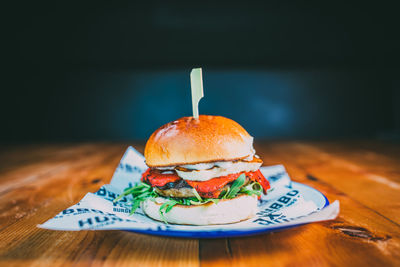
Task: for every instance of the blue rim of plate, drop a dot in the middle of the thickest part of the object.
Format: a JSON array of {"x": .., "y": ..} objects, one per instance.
[{"x": 225, "y": 234}]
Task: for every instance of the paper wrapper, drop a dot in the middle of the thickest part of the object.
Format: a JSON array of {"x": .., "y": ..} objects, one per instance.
[{"x": 286, "y": 204}]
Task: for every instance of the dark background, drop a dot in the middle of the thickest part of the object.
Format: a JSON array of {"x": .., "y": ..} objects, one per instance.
[{"x": 92, "y": 71}]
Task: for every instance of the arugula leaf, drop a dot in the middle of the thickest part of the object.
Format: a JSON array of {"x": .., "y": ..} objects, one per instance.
[
  {"x": 196, "y": 203},
  {"x": 171, "y": 204},
  {"x": 252, "y": 189},
  {"x": 235, "y": 187},
  {"x": 225, "y": 193},
  {"x": 197, "y": 195},
  {"x": 140, "y": 188},
  {"x": 250, "y": 192},
  {"x": 135, "y": 206},
  {"x": 166, "y": 207}
]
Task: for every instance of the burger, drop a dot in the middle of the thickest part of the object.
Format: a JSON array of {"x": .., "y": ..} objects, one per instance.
[{"x": 202, "y": 171}]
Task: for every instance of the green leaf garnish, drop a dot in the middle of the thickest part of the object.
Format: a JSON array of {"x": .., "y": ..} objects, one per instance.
[
  {"x": 224, "y": 193},
  {"x": 166, "y": 207},
  {"x": 135, "y": 206},
  {"x": 197, "y": 195},
  {"x": 252, "y": 189},
  {"x": 139, "y": 189},
  {"x": 235, "y": 187}
]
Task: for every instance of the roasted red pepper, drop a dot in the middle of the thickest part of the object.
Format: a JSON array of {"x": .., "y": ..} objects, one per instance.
[
  {"x": 155, "y": 178},
  {"x": 213, "y": 187}
]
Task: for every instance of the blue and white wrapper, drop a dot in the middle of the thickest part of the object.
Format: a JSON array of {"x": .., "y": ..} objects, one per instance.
[{"x": 287, "y": 204}]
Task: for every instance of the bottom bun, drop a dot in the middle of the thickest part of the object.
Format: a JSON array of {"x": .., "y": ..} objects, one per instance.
[{"x": 233, "y": 210}]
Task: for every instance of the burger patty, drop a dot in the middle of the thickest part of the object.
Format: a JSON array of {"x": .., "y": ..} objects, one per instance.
[
  {"x": 175, "y": 185},
  {"x": 173, "y": 192},
  {"x": 181, "y": 189},
  {"x": 178, "y": 189}
]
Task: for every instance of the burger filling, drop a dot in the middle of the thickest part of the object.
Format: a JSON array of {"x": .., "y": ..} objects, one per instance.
[
  {"x": 199, "y": 183},
  {"x": 171, "y": 185}
]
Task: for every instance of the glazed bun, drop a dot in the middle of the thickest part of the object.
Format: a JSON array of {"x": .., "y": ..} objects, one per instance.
[
  {"x": 190, "y": 141},
  {"x": 225, "y": 211}
]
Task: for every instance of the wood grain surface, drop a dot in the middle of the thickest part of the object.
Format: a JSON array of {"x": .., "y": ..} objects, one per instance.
[{"x": 38, "y": 181}]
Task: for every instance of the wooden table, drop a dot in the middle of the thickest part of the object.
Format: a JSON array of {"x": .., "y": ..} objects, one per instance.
[{"x": 38, "y": 181}]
